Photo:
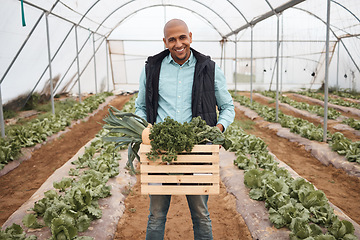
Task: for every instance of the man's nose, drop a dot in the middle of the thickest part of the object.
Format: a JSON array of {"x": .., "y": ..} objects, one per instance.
[{"x": 178, "y": 43}]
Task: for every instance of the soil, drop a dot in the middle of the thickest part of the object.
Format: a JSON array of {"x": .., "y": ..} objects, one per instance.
[{"x": 18, "y": 185}]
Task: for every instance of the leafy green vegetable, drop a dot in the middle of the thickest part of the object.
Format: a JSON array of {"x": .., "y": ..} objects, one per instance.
[
  {"x": 15, "y": 232},
  {"x": 207, "y": 134},
  {"x": 342, "y": 230},
  {"x": 63, "y": 229},
  {"x": 30, "y": 221},
  {"x": 172, "y": 138},
  {"x": 63, "y": 184},
  {"x": 83, "y": 223},
  {"x": 130, "y": 127},
  {"x": 169, "y": 138},
  {"x": 352, "y": 123},
  {"x": 302, "y": 230},
  {"x": 286, "y": 213}
]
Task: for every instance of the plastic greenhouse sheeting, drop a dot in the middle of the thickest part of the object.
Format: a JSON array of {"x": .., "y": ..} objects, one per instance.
[{"x": 124, "y": 33}]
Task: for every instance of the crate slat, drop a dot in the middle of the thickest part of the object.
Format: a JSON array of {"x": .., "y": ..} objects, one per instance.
[
  {"x": 180, "y": 190},
  {"x": 179, "y": 168},
  {"x": 210, "y": 178}
]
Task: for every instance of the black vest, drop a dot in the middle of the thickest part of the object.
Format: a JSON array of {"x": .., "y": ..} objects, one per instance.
[{"x": 203, "y": 102}]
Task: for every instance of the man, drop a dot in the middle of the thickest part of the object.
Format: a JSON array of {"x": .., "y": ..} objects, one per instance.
[{"x": 182, "y": 83}]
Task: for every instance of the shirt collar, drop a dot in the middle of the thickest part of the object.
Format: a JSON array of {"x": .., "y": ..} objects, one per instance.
[{"x": 188, "y": 62}]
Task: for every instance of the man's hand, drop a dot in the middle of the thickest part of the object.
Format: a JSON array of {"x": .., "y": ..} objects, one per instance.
[{"x": 220, "y": 126}]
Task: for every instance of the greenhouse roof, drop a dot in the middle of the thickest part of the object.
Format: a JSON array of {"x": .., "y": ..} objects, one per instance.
[
  {"x": 227, "y": 17},
  {"x": 96, "y": 39}
]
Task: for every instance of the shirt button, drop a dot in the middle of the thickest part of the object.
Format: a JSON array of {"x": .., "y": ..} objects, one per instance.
[
  {"x": 178, "y": 111},
  {"x": 179, "y": 97},
  {"x": 179, "y": 81}
]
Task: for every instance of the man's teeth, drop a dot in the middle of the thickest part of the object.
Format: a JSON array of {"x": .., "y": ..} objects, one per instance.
[{"x": 180, "y": 50}]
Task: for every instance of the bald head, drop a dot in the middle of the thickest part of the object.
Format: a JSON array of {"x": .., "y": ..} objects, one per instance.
[
  {"x": 177, "y": 39},
  {"x": 175, "y": 23}
]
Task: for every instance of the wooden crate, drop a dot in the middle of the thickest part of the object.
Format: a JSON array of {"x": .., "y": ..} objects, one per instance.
[{"x": 195, "y": 173}]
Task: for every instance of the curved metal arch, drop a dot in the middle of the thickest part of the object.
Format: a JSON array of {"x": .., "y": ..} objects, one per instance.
[
  {"x": 271, "y": 7},
  {"x": 243, "y": 16},
  {"x": 95, "y": 3},
  {"x": 317, "y": 17},
  {"x": 161, "y": 5},
  {"x": 346, "y": 9},
  {"x": 320, "y": 19},
  {"x": 214, "y": 12}
]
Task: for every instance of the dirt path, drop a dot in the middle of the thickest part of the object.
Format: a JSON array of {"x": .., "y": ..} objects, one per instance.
[
  {"x": 18, "y": 185},
  {"x": 227, "y": 223},
  {"x": 340, "y": 188}
]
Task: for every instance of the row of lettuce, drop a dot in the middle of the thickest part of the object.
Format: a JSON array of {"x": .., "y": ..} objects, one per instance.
[
  {"x": 347, "y": 94},
  {"x": 69, "y": 208},
  {"x": 336, "y": 101},
  {"x": 37, "y": 131},
  {"x": 316, "y": 109},
  {"x": 292, "y": 203},
  {"x": 337, "y": 141}
]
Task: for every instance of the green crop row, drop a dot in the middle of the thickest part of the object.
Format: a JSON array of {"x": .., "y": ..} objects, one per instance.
[
  {"x": 316, "y": 109},
  {"x": 332, "y": 113},
  {"x": 306, "y": 129},
  {"x": 31, "y": 133},
  {"x": 347, "y": 94},
  {"x": 292, "y": 203},
  {"x": 336, "y": 101},
  {"x": 72, "y": 207}
]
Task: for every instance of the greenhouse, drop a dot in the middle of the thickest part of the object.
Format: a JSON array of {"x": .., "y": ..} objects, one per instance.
[{"x": 74, "y": 108}]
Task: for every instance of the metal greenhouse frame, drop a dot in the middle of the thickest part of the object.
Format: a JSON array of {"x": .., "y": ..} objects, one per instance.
[{"x": 90, "y": 28}]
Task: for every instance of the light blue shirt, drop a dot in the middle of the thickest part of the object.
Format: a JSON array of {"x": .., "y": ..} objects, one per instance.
[{"x": 175, "y": 89}]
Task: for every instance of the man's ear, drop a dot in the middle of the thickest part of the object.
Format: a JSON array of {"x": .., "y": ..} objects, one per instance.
[
  {"x": 165, "y": 43},
  {"x": 190, "y": 35}
]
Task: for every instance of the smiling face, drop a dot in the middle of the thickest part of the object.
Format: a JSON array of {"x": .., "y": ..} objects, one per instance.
[{"x": 177, "y": 39}]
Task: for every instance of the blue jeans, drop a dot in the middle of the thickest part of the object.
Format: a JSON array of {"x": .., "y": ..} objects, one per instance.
[{"x": 159, "y": 206}]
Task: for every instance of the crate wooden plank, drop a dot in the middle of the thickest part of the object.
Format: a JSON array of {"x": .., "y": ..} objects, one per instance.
[
  {"x": 191, "y": 158},
  {"x": 211, "y": 178},
  {"x": 180, "y": 190},
  {"x": 179, "y": 168}
]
